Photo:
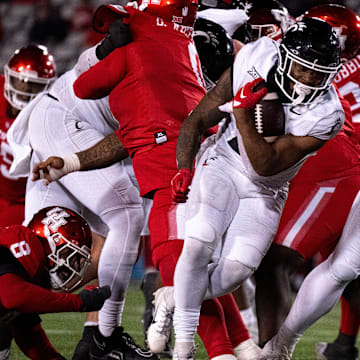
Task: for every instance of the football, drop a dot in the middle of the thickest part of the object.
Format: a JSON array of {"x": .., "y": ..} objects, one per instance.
[{"x": 269, "y": 117}]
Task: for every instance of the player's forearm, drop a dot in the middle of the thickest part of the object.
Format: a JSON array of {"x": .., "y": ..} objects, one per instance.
[
  {"x": 205, "y": 116},
  {"x": 105, "y": 153},
  {"x": 187, "y": 144},
  {"x": 20, "y": 295}
]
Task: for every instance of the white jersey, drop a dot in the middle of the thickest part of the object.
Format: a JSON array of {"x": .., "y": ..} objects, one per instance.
[
  {"x": 323, "y": 119},
  {"x": 229, "y": 19},
  {"x": 94, "y": 112}
]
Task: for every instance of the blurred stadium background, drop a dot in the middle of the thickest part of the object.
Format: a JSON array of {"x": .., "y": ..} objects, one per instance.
[{"x": 65, "y": 26}]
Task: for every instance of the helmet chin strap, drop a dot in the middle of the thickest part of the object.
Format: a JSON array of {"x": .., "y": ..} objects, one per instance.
[{"x": 302, "y": 92}]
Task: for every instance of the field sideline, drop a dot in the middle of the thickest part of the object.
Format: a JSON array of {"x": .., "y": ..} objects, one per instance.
[{"x": 65, "y": 329}]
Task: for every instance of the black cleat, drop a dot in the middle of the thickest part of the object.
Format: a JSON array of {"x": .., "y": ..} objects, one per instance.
[
  {"x": 335, "y": 351},
  {"x": 125, "y": 344},
  {"x": 119, "y": 346},
  {"x": 100, "y": 346},
  {"x": 83, "y": 347}
]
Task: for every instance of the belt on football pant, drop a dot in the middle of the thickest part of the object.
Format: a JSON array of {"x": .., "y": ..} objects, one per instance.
[{"x": 234, "y": 145}]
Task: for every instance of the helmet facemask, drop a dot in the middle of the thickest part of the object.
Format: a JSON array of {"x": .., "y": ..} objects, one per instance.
[
  {"x": 21, "y": 87},
  {"x": 290, "y": 83},
  {"x": 68, "y": 262},
  {"x": 309, "y": 60},
  {"x": 270, "y": 30}
]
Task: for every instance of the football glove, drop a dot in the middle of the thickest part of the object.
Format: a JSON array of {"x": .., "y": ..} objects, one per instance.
[
  {"x": 119, "y": 35},
  {"x": 94, "y": 298},
  {"x": 180, "y": 185},
  {"x": 250, "y": 94}
]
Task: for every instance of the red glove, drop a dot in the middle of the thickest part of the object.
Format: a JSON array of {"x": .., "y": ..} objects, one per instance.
[
  {"x": 180, "y": 185},
  {"x": 247, "y": 96}
]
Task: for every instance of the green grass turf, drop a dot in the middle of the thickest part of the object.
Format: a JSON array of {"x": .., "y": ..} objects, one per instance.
[{"x": 65, "y": 329}]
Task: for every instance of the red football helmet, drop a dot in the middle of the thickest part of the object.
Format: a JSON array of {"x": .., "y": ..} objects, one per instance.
[
  {"x": 179, "y": 11},
  {"x": 29, "y": 71},
  {"x": 271, "y": 19},
  {"x": 345, "y": 23},
  {"x": 69, "y": 239}
]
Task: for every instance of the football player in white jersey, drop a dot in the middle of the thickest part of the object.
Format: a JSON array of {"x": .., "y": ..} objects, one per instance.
[
  {"x": 308, "y": 224},
  {"x": 241, "y": 181},
  {"x": 326, "y": 283},
  {"x": 57, "y": 122}
]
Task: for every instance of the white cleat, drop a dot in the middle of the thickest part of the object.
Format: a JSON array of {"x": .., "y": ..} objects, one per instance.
[
  {"x": 160, "y": 328},
  {"x": 320, "y": 350},
  {"x": 247, "y": 350},
  {"x": 273, "y": 351},
  {"x": 184, "y": 351}
]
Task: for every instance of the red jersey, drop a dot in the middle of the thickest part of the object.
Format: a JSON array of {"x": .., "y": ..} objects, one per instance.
[
  {"x": 348, "y": 82},
  {"x": 321, "y": 195},
  {"x": 24, "y": 277},
  {"x": 154, "y": 81},
  {"x": 10, "y": 188},
  {"x": 28, "y": 250},
  {"x": 337, "y": 158}
]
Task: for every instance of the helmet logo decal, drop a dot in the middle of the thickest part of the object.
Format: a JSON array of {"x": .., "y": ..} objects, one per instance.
[
  {"x": 55, "y": 218},
  {"x": 341, "y": 36}
]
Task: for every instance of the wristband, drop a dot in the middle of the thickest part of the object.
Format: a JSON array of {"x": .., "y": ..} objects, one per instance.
[{"x": 71, "y": 164}]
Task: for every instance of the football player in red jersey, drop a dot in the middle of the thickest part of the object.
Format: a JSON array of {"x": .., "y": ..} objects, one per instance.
[
  {"x": 53, "y": 252},
  {"x": 167, "y": 25},
  {"x": 29, "y": 71},
  {"x": 153, "y": 150},
  {"x": 309, "y": 223}
]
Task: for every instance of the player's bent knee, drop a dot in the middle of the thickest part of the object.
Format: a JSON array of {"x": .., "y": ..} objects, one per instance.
[
  {"x": 197, "y": 252},
  {"x": 201, "y": 232},
  {"x": 238, "y": 272},
  {"x": 342, "y": 272}
]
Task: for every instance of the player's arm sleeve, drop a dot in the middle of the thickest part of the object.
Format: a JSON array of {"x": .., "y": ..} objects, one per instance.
[
  {"x": 20, "y": 295},
  {"x": 8, "y": 264},
  {"x": 86, "y": 60},
  {"x": 323, "y": 131},
  {"x": 100, "y": 79}
]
